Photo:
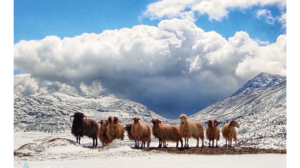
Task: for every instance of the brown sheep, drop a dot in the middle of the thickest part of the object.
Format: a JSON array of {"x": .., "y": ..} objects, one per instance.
[
  {"x": 128, "y": 129},
  {"x": 130, "y": 137},
  {"x": 166, "y": 133},
  {"x": 229, "y": 132},
  {"x": 212, "y": 132},
  {"x": 115, "y": 128},
  {"x": 84, "y": 127},
  {"x": 190, "y": 129},
  {"x": 140, "y": 131},
  {"x": 103, "y": 134}
]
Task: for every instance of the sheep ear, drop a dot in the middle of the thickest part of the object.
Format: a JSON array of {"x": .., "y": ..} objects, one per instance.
[
  {"x": 231, "y": 123},
  {"x": 116, "y": 119},
  {"x": 138, "y": 118}
]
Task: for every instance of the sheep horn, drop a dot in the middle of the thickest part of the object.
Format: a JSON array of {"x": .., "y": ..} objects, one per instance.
[{"x": 71, "y": 116}]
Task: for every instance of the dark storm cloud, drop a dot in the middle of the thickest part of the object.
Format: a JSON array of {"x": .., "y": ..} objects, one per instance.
[{"x": 174, "y": 68}]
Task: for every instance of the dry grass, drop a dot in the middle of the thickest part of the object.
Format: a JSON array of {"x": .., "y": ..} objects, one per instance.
[{"x": 218, "y": 151}]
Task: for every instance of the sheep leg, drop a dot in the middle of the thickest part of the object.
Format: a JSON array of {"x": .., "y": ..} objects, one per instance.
[
  {"x": 226, "y": 142},
  {"x": 197, "y": 143},
  {"x": 160, "y": 143},
  {"x": 181, "y": 143},
  {"x": 79, "y": 139},
  {"x": 187, "y": 141},
  {"x": 213, "y": 141},
  {"x": 209, "y": 143},
  {"x": 96, "y": 140},
  {"x": 216, "y": 144},
  {"x": 177, "y": 144}
]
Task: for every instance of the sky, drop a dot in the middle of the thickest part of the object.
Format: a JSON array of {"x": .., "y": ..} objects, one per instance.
[{"x": 172, "y": 56}]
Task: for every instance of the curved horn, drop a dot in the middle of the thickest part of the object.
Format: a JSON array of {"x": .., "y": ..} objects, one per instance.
[{"x": 71, "y": 116}]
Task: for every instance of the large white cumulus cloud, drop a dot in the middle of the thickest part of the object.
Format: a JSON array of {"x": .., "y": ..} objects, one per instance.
[
  {"x": 215, "y": 9},
  {"x": 174, "y": 67}
]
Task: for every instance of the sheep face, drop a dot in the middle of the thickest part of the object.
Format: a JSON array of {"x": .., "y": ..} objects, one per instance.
[
  {"x": 182, "y": 118},
  {"x": 128, "y": 127},
  {"x": 155, "y": 121},
  {"x": 103, "y": 123},
  {"x": 113, "y": 120},
  {"x": 136, "y": 120},
  {"x": 215, "y": 122},
  {"x": 234, "y": 123},
  {"x": 78, "y": 116},
  {"x": 209, "y": 123}
]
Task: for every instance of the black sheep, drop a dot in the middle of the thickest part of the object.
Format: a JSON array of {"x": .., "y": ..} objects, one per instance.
[{"x": 84, "y": 127}]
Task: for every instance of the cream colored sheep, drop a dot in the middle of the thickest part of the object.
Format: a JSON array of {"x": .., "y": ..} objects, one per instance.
[
  {"x": 190, "y": 129},
  {"x": 141, "y": 132},
  {"x": 229, "y": 132}
]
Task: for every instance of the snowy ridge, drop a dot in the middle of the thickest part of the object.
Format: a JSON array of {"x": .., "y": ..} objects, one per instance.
[
  {"x": 260, "y": 109},
  {"x": 51, "y": 112}
]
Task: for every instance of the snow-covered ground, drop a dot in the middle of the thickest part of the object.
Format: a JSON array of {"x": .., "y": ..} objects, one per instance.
[{"x": 63, "y": 153}]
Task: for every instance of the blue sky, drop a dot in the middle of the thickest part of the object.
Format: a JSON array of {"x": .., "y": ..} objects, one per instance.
[
  {"x": 38, "y": 19},
  {"x": 168, "y": 57}
]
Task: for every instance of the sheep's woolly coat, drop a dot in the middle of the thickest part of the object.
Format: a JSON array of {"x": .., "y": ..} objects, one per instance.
[
  {"x": 115, "y": 128},
  {"x": 166, "y": 132},
  {"x": 91, "y": 128},
  {"x": 84, "y": 127},
  {"x": 212, "y": 130},
  {"x": 190, "y": 129},
  {"x": 103, "y": 134},
  {"x": 229, "y": 132},
  {"x": 140, "y": 131},
  {"x": 128, "y": 129},
  {"x": 216, "y": 130}
]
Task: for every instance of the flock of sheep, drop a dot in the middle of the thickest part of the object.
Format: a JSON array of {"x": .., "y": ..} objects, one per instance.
[{"x": 138, "y": 131}]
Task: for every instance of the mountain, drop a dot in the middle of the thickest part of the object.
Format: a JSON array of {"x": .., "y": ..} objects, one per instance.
[
  {"x": 260, "y": 109},
  {"x": 51, "y": 112}
]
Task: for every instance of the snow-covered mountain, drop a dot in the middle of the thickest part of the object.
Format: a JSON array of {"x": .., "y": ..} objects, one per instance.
[
  {"x": 260, "y": 109},
  {"x": 51, "y": 112}
]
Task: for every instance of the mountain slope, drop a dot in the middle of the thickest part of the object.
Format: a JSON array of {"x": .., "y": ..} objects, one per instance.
[
  {"x": 260, "y": 109},
  {"x": 51, "y": 112}
]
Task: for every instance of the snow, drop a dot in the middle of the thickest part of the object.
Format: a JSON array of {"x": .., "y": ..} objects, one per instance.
[
  {"x": 259, "y": 107},
  {"x": 63, "y": 153}
]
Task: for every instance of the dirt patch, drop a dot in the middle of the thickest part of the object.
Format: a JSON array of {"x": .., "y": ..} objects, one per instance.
[
  {"x": 19, "y": 154},
  {"x": 218, "y": 151}
]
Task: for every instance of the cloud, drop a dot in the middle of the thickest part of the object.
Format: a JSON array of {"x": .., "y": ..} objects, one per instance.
[
  {"x": 282, "y": 20},
  {"x": 172, "y": 68},
  {"x": 215, "y": 9},
  {"x": 25, "y": 84},
  {"x": 265, "y": 14}
]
